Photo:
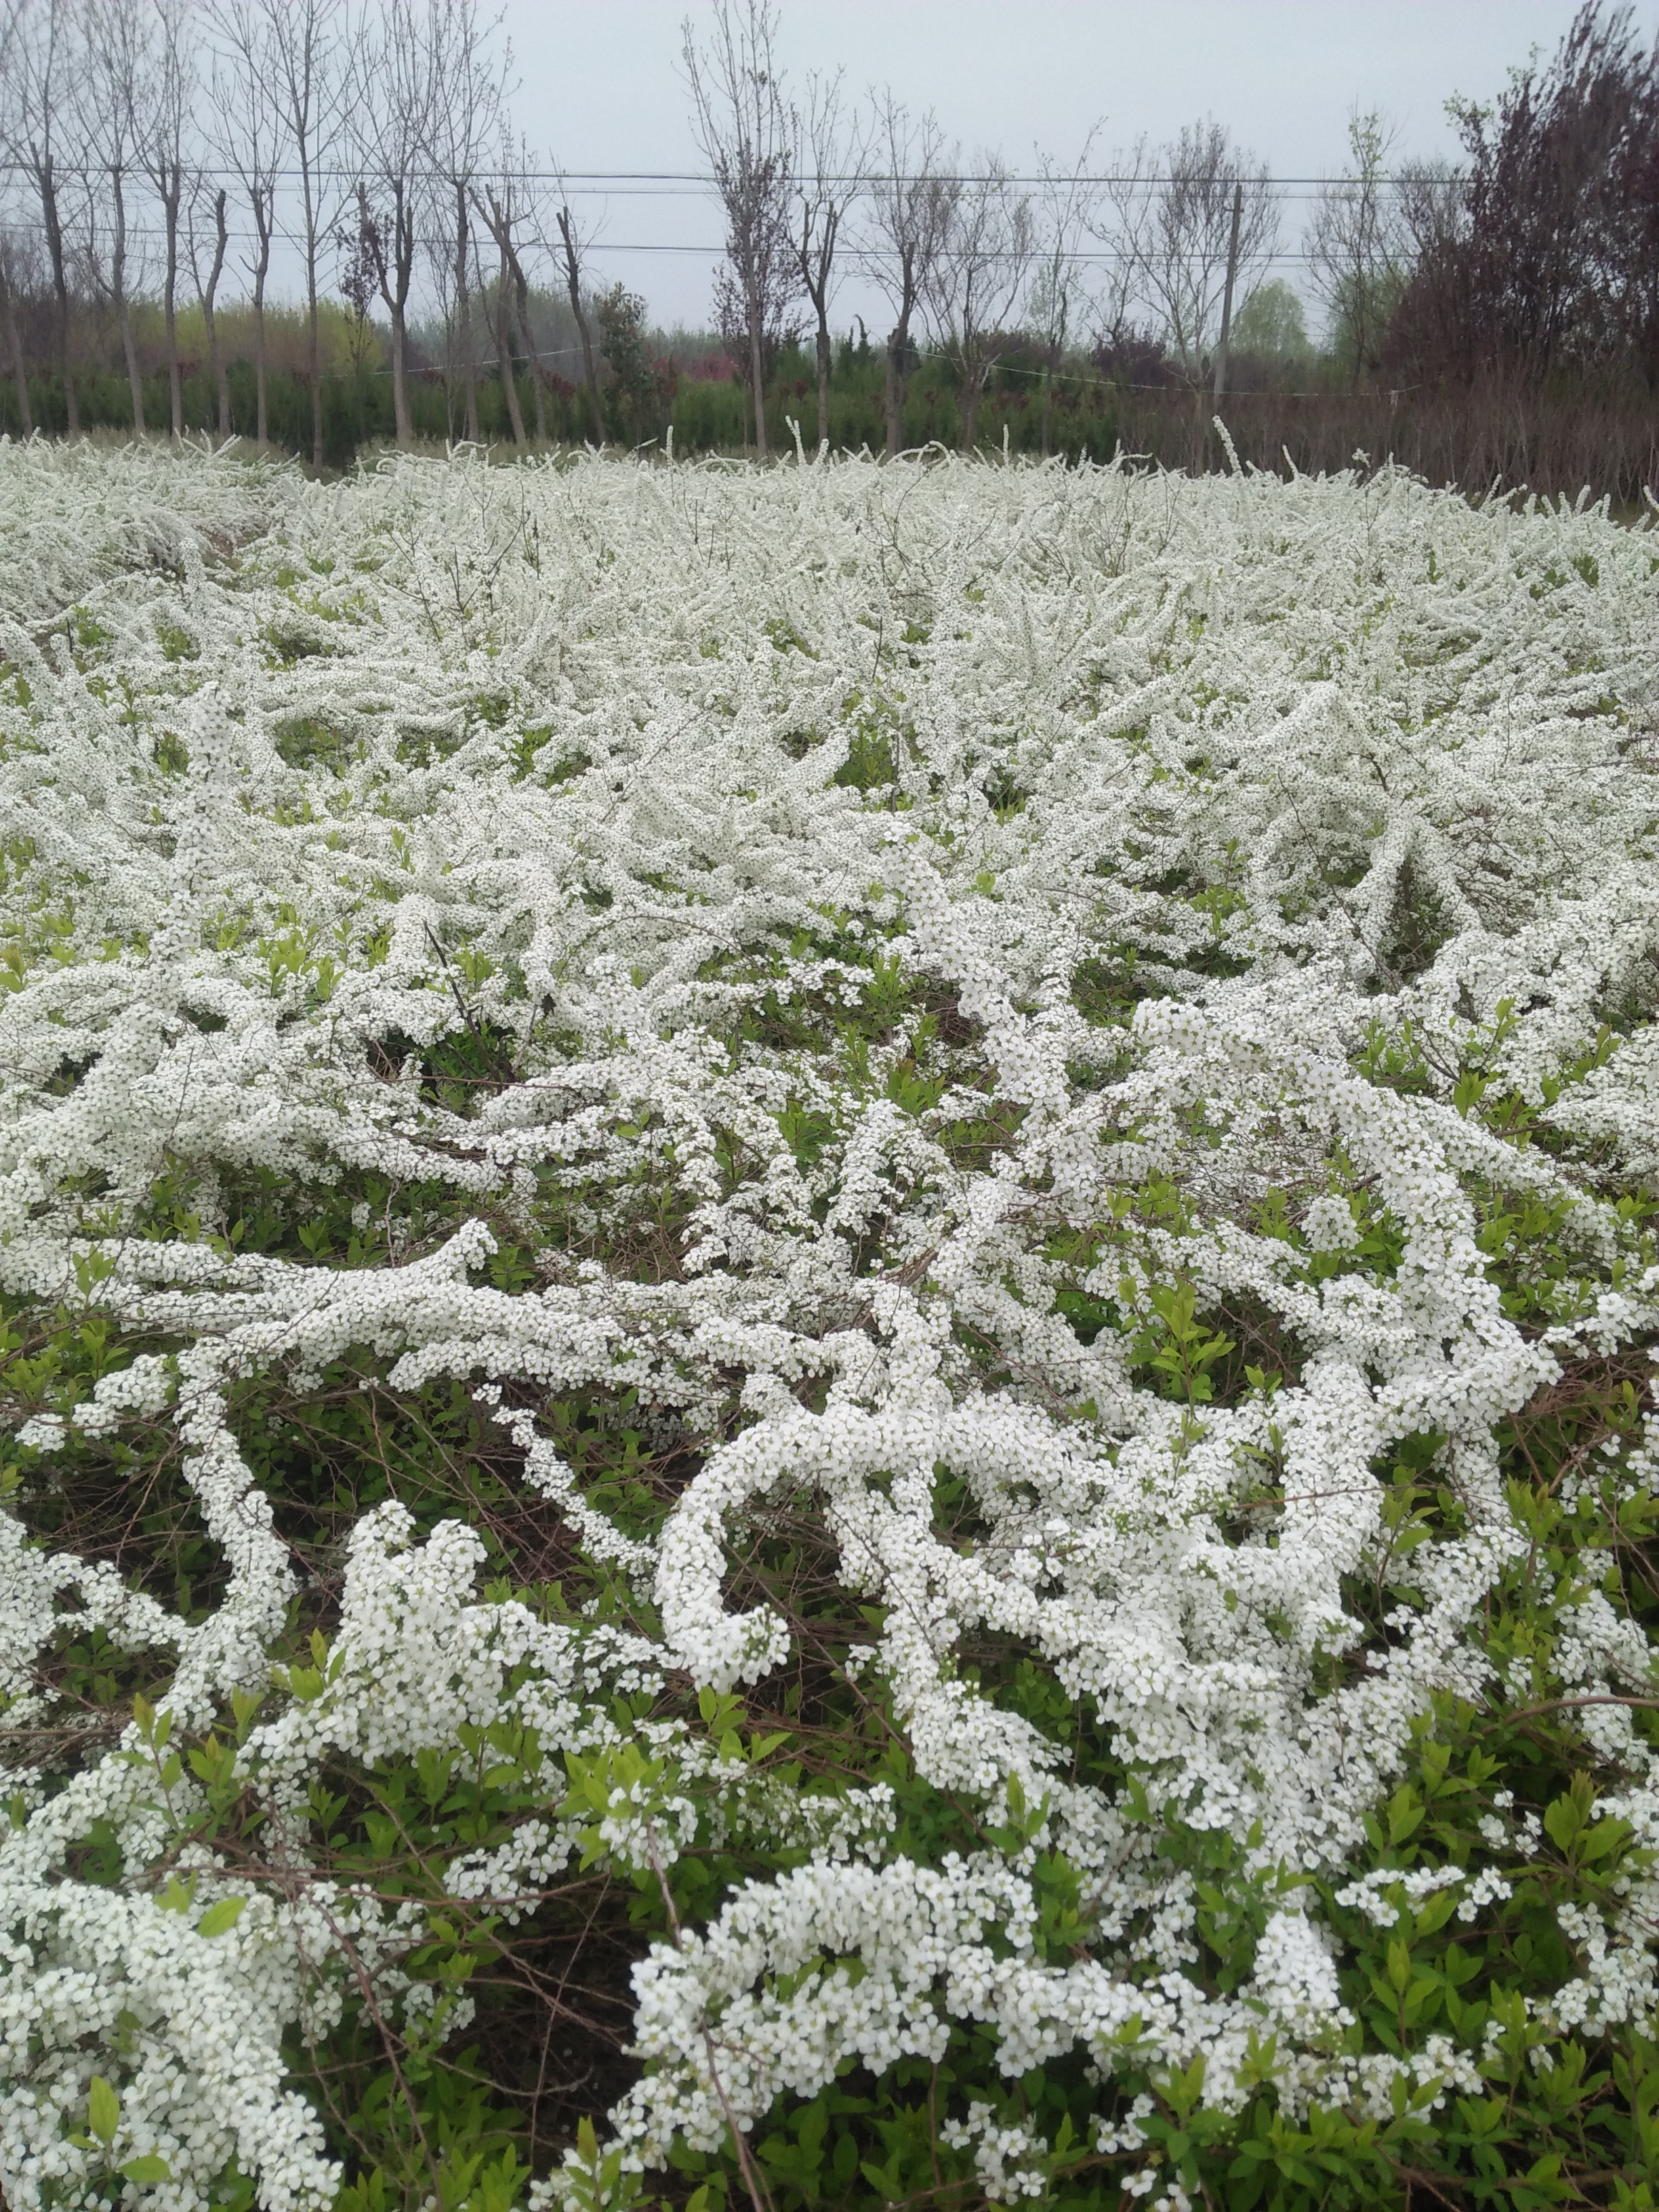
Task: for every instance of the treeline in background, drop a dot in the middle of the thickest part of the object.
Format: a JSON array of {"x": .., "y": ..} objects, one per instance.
[{"x": 166, "y": 162}]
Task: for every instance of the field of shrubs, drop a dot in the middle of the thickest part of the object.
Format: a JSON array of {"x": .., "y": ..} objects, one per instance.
[{"x": 827, "y": 1365}]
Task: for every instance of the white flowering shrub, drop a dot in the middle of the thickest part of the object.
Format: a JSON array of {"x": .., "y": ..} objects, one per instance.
[{"x": 829, "y": 1310}]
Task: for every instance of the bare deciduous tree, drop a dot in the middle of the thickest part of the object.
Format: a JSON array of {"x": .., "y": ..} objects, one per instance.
[
  {"x": 1357, "y": 250},
  {"x": 172, "y": 95},
  {"x": 116, "y": 86},
  {"x": 40, "y": 91},
  {"x": 574, "y": 244},
  {"x": 1175, "y": 226},
  {"x": 1064, "y": 212},
  {"x": 503, "y": 205},
  {"x": 306, "y": 43},
  {"x": 242, "y": 132},
  {"x": 977, "y": 278},
  {"x": 512, "y": 212},
  {"x": 912, "y": 203},
  {"x": 832, "y": 151},
  {"x": 13, "y": 251},
  {"x": 391, "y": 124},
  {"x": 746, "y": 131},
  {"x": 469, "y": 91},
  {"x": 208, "y": 292},
  {"x": 10, "y": 13}
]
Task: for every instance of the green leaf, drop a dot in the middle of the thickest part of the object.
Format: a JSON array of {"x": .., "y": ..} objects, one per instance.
[
  {"x": 1561, "y": 1818},
  {"x": 219, "y": 1919},
  {"x": 814, "y": 2126},
  {"x": 1606, "y": 1837},
  {"x": 1436, "y": 1912},
  {"x": 103, "y": 2110},
  {"x": 1404, "y": 1813},
  {"x": 149, "y": 2168}
]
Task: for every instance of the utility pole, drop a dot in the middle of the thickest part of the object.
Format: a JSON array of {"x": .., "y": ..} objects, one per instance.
[{"x": 1227, "y": 296}]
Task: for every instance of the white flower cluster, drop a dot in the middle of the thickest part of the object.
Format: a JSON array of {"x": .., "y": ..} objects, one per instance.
[{"x": 1213, "y": 848}]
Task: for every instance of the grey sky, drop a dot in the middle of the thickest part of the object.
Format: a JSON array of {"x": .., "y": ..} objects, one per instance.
[{"x": 599, "y": 88}]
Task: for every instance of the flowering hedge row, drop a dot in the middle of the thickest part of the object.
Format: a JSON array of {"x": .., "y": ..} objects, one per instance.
[{"x": 829, "y": 1302}]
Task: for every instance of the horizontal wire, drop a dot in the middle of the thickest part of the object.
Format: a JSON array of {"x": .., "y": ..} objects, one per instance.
[
  {"x": 863, "y": 260},
  {"x": 11, "y": 165}
]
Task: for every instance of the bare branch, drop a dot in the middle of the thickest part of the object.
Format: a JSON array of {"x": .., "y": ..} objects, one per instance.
[
  {"x": 835, "y": 150},
  {"x": 747, "y": 135},
  {"x": 242, "y": 133},
  {"x": 912, "y": 206},
  {"x": 1357, "y": 245},
  {"x": 978, "y": 278},
  {"x": 1174, "y": 208}
]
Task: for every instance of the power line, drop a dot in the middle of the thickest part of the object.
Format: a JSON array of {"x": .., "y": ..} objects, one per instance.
[
  {"x": 864, "y": 262},
  {"x": 605, "y": 178}
]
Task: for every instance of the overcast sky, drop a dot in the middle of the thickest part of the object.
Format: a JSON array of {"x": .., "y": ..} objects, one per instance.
[{"x": 601, "y": 89}]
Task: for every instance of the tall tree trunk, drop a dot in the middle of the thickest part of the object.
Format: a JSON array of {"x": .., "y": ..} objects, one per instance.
[
  {"x": 504, "y": 355},
  {"x": 71, "y": 404},
  {"x": 596, "y": 402},
  {"x": 135, "y": 374},
  {"x": 573, "y": 282},
  {"x": 123, "y": 308},
  {"x": 971, "y": 392},
  {"x": 896, "y": 345},
  {"x": 824, "y": 354},
  {"x": 400, "y": 378},
  {"x": 521, "y": 305},
  {"x": 403, "y": 248},
  {"x": 464, "y": 312},
  {"x": 54, "y": 229},
  {"x": 1048, "y": 407},
  {"x": 757, "y": 378},
  {"x": 217, "y": 365},
  {"x": 170, "y": 306},
  {"x": 521, "y": 298},
  {"x": 15, "y": 345},
  {"x": 261, "y": 425},
  {"x": 315, "y": 352},
  {"x": 315, "y": 357}
]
